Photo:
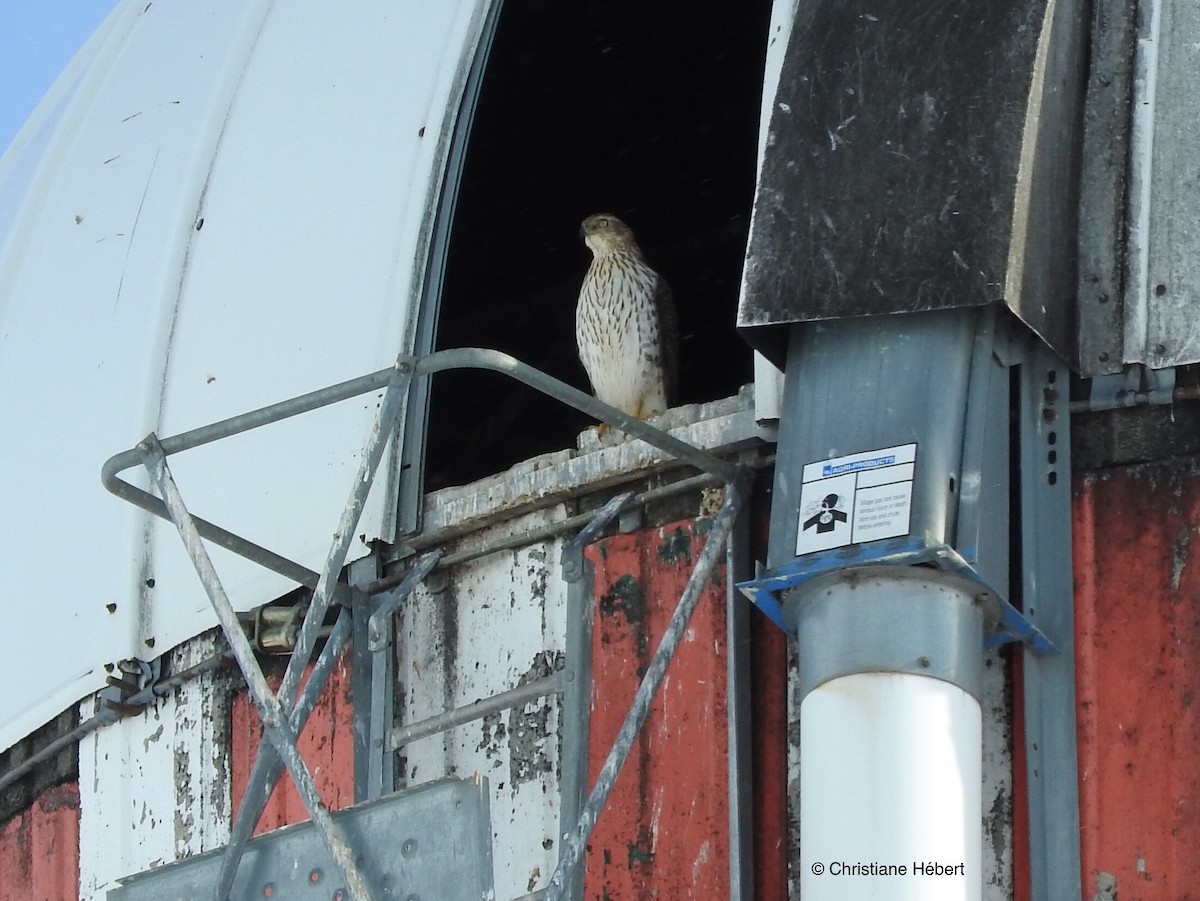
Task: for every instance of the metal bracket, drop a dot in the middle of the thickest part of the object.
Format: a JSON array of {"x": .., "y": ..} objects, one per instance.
[
  {"x": 433, "y": 841},
  {"x": 379, "y": 633},
  {"x": 126, "y": 693},
  {"x": 767, "y": 587},
  {"x": 405, "y": 367},
  {"x": 1137, "y": 385}
]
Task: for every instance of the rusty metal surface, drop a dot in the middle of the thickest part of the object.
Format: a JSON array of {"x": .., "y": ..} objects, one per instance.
[
  {"x": 1138, "y": 661},
  {"x": 664, "y": 832},
  {"x": 768, "y": 698},
  {"x": 326, "y": 744},
  {"x": 39, "y": 849}
]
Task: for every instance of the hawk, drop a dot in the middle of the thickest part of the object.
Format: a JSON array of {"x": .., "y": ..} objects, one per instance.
[{"x": 625, "y": 322}]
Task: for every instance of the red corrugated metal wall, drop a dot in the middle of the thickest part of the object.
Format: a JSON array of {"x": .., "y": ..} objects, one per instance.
[
  {"x": 39, "y": 849},
  {"x": 664, "y": 832},
  {"x": 1137, "y": 603},
  {"x": 327, "y": 745}
]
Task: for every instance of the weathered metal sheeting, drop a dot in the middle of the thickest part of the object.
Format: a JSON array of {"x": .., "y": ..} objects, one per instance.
[
  {"x": 471, "y": 632},
  {"x": 326, "y": 743},
  {"x": 919, "y": 158},
  {"x": 430, "y": 842},
  {"x": 39, "y": 848},
  {"x": 665, "y": 830},
  {"x": 155, "y": 787},
  {"x": 1162, "y": 303},
  {"x": 217, "y": 206},
  {"x": 1137, "y": 652}
]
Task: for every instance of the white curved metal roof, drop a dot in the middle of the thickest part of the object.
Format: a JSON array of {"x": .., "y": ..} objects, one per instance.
[{"x": 219, "y": 205}]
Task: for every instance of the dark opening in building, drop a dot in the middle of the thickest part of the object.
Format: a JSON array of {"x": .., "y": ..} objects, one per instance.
[{"x": 648, "y": 111}]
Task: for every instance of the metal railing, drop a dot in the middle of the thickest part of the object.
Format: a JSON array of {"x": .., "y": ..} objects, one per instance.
[{"x": 283, "y": 714}]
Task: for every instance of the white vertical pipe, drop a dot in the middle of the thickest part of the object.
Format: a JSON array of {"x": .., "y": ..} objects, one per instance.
[{"x": 890, "y": 790}]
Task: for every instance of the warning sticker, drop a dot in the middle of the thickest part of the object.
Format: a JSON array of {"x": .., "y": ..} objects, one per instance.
[{"x": 861, "y": 497}]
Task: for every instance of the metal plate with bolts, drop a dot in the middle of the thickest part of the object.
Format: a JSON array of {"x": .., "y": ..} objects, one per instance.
[{"x": 433, "y": 841}]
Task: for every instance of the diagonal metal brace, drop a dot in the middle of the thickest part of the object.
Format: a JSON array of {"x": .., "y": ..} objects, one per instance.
[
  {"x": 268, "y": 767},
  {"x": 276, "y": 726},
  {"x": 327, "y": 583},
  {"x": 378, "y": 633},
  {"x": 599, "y": 520},
  {"x": 576, "y": 841}
]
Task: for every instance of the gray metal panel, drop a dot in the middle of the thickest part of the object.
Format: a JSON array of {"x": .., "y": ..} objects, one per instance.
[
  {"x": 431, "y": 842},
  {"x": 863, "y": 384},
  {"x": 1048, "y": 595},
  {"x": 919, "y": 157},
  {"x": 1170, "y": 291},
  {"x": 982, "y": 533},
  {"x": 1102, "y": 188}
]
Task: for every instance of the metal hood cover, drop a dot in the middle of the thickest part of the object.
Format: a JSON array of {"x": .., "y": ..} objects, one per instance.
[
  {"x": 919, "y": 159},
  {"x": 219, "y": 205}
]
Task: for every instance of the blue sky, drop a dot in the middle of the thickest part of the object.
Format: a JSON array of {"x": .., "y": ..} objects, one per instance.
[{"x": 37, "y": 40}]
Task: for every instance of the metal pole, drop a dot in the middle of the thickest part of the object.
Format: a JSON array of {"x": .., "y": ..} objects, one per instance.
[
  {"x": 576, "y": 708},
  {"x": 495, "y": 361},
  {"x": 739, "y": 763},
  {"x": 275, "y": 726},
  {"x": 574, "y": 845},
  {"x": 379, "y": 636},
  {"x": 514, "y": 697},
  {"x": 455, "y": 358},
  {"x": 268, "y": 767},
  {"x": 372, "y": 453},
  {"x": 383, "y": 426}
]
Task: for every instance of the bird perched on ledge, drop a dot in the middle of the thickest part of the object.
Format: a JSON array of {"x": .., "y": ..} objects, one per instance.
[{"x": 625, "y": 323}]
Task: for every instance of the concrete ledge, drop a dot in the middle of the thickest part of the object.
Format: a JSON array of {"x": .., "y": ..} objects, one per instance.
[{"x": 600, "y": 461}]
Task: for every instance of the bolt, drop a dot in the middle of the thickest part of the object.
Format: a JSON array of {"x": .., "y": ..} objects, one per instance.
[
  {"x": 409, "y": 848},
  {"x": 923, "y": 662}
]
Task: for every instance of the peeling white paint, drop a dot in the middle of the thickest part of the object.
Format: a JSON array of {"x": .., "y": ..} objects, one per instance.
[
  {"x": 155, "y": 787},
  {"x": 497, "y": 618}
]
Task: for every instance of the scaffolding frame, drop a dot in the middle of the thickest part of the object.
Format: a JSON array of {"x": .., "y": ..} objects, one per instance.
[{"x": 283, "y": 713}]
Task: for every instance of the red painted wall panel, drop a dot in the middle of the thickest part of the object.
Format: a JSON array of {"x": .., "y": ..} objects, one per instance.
[
  {"x": 664, "y": 833},
  {"x": 1137, "y": 537},
  {"x": 326, "y": 744},
  {"x": 769, "y": 686},
  {"x": 39, "y": 849}
]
